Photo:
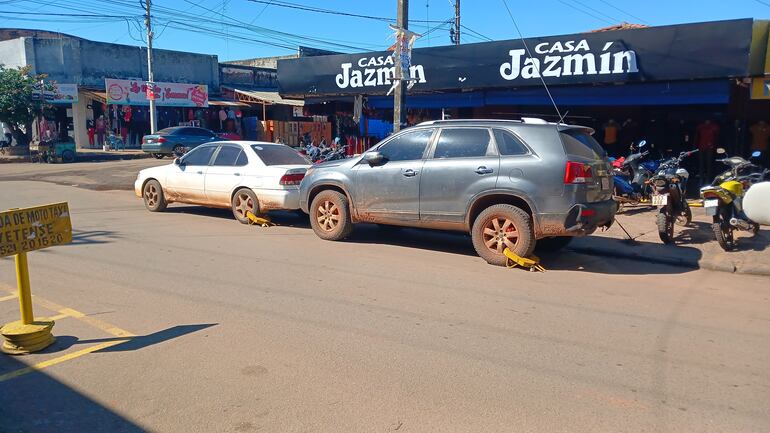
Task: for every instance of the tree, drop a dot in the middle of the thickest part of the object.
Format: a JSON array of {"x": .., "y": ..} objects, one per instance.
[{"x": 20, "y": 99}]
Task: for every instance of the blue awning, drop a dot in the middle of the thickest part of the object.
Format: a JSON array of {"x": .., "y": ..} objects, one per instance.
[
  {"x": 667, "y": 93},
  {"x": 437, "y": 100},
  {"x": 629, "y": 94}
]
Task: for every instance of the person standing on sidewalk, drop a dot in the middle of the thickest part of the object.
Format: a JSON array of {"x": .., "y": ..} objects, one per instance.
[
  {"x": 706, "y": 136},
  {"x": 101, "y": 128}
]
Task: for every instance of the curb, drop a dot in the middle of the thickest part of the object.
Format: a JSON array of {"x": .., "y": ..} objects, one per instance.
[{"x": 729, "y": 267}]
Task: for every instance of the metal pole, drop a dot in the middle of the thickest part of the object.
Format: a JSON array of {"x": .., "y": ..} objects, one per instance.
[
  {"x": 399, "y": 96},
  {"x": 25, "y": 297},
  {"x": 150, "y": 77},
  {"x": 457, "y": 22}
]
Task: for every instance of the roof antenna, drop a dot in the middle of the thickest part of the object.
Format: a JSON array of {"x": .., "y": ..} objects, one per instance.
[
  {"x": 537, "y": 68},
  {"x": 561, "y": 119}
]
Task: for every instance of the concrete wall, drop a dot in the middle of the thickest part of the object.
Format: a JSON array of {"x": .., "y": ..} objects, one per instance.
[
  {"x": 88, "y": 63},
  {"x": 12, "y": 53}
]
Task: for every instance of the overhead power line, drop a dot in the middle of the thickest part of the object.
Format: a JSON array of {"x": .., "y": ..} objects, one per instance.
[
  {"x": 624, "y": 12},
  {"x": 302, "y": 7}
]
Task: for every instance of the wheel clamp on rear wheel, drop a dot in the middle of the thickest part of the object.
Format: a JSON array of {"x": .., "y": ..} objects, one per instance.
[
  {"x": 255, "y": 220},
  {"x": 514, "y": 260}
]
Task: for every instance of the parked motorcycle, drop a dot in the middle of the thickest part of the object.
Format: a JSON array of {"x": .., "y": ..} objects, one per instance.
[
  {"x": 723, "y": 200},
  {"x": 630, "y": 176},
  {"x": 333, "y": 155},
  {"x": 669, "y": 193}
]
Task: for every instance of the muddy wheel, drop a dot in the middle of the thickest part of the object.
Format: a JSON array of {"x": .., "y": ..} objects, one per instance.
[
  {"x": 502, "y": 226},
  {"x": 330, "y": 216},
  {"x": 665, "y": 227},
  {"x": 244, "y": 201},
  {"x": 552, "y": 244},
  {"x": 158, "y": 155},
  {"x": 152, "y": 193},
  {"x": 685, "y": 218}
]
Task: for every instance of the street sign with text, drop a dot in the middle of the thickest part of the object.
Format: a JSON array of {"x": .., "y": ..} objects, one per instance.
[{"x": 34, "y": 228}]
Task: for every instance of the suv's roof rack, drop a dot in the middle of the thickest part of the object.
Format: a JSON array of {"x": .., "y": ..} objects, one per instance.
[{"x": 529, "y": 120}]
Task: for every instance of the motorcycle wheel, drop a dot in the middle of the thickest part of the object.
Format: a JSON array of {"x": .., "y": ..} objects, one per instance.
[
  {"x": 685, "y": 218},
  {"x": 755, "y": 229},
  {"x": 665, "y": 227},
  {"x": 723, "y": 235}
]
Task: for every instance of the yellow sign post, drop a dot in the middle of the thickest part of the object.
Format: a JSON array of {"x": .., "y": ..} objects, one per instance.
[{"x": 21, "y": 231}]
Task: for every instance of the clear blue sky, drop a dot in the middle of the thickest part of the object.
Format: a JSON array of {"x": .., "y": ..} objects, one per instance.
[{"x": 233, "y": 29}]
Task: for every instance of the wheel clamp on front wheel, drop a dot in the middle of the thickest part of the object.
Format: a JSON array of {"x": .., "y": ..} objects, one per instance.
[
  {"x": 514, "y": 260},
  {"x": 255, "y": 220}
]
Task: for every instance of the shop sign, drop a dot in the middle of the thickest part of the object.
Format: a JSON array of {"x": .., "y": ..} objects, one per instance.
[
  {"x": 683, "y": 52},
  {"x": 58, "y": 93},
  {"x": 137, "y": 92},
  {"x": 34, "y": 228},
  {"x": 760, "y": 88}
]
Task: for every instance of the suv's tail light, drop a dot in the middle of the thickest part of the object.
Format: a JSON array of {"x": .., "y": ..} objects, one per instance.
[
  {"x": 577, "y": 172},
  {"x": 291, "y": 178}
]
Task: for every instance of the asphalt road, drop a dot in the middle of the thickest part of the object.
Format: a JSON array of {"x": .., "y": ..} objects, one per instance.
[{"x": 246, "y": 329}]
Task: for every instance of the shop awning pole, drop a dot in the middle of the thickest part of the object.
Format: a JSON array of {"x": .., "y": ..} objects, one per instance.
[{"x": 264, "y": 112}]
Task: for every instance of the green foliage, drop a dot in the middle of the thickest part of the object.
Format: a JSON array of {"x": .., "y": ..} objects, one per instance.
[{"x": 19, "y": 95}]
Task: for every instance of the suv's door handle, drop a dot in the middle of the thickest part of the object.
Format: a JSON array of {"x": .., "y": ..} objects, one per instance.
[
  {"x": 409, "y": 172},
  {"x": 236, "y": 174},
  {"x": 200, "y": 172},
  {"x": 484, "y": 170}
]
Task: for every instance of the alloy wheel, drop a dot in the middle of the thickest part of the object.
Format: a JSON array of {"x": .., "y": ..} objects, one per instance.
[
  {"x": 151, "y": 195},
  {"x": 328, "y": 216},
  {"x": 243, "y": 204},
  {"x": 500, "y": 233}
]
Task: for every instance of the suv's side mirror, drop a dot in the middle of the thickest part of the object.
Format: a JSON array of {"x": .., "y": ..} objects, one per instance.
[
  {"x": 721, "y": 150},
  {"x": 374, "y": 158},
  {"x": 178, "y": 161}
]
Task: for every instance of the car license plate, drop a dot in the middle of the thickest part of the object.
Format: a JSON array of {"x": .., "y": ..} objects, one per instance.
[
  {"x": 605, "y": 183},
  {"x": 660, "y": 200}
]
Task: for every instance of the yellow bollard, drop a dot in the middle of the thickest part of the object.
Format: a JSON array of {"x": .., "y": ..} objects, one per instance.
[
  {"x": 25, "y": 296},
  {"x": 26, "y": 335}
]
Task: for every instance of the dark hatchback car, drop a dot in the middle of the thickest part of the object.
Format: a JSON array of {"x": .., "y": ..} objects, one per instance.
[{"x": 176, "y": 141}]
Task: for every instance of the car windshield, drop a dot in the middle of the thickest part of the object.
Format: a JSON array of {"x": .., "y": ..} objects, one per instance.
[{"x": 272, "y": 154}]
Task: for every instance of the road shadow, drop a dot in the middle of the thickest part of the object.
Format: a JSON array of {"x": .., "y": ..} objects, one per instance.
[
  {"x": 425, "y": 239},
  {"x": 64, "y": 342},
  {"x": 696, "y": 233},
  {"x": 639, "y": 257},
  {"x": 758, "y": 242},
  {"x": 282, "y": 218},
  {"x": 91, "y": 237},
  {"x": 36, "y": 402}
]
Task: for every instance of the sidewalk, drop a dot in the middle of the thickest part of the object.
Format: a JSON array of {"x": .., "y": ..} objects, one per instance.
[
  {"x": 694, "y": 246},
  {"x": 88, "y": 155}
]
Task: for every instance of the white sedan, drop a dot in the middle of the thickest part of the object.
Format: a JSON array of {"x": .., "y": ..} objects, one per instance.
[{"x": 241, "y": 175}]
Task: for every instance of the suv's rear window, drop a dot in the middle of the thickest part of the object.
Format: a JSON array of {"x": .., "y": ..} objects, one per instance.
[
  {"x": 273, "y": 154},
  {"x": 580, "y": 143}
]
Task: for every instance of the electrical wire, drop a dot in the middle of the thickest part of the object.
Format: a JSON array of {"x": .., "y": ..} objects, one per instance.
[
  {"x": 624, "y": 12},
  {"x": 529, "y": 54},
  {"x": 583, "y": 11},
  {"x": 597, "y": 11},
  {"x": 298, "y": 6},
  {"x": 478, "y": 35}
]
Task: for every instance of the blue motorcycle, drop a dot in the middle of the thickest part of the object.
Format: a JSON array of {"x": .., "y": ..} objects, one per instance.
[{"x": 631, "y": 176}]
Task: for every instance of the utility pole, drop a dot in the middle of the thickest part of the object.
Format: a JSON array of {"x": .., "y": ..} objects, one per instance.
[
  {"x": 150, "y": 77},
  {"x": 457, "y": 22},
  {"x": 399, "y": 96}
]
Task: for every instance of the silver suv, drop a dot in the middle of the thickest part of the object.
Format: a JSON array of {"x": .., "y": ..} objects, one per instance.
[{"x": 509, "y": 183}]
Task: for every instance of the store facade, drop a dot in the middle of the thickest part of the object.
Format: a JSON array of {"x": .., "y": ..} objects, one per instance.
[{"x": 662, "y": 83}]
